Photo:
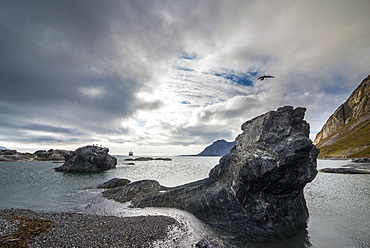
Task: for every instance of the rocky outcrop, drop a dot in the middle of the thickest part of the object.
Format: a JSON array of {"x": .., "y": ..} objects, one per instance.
[
  {"x": 51, "y": 154},
  {"x": 40, "y": 155},
  {"x": 346, "y": 133},
  {"x": 217, "y": 148},
  {"x": 343, "y": 170},
  {"x": 88, "y": 159},
  {"x": 14, "y": 156},
  {"x": 114, "y": 183},
  {"x": 256, "y": 191},
  {"x": 356, "y": 166},
  {"x": 147, "y": 159},
  {"x": 361, "y": 160}
]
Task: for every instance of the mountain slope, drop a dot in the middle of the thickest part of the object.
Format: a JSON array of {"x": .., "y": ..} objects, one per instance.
[
  {"x": 346, "y": 134},
  {"x": 218, "y": 148}
]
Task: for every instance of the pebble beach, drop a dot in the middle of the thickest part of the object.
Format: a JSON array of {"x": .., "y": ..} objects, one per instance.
[{"x": 26, "y": 228}]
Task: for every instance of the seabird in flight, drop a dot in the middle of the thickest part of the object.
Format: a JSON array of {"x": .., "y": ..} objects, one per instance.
[{"x": 264, "y": 76}]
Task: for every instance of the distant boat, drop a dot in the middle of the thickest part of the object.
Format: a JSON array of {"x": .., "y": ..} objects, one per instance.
[{"x": 131, "y": 153}]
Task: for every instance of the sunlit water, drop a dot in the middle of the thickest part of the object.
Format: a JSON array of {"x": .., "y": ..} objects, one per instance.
[{"x": 338, "y": 203}]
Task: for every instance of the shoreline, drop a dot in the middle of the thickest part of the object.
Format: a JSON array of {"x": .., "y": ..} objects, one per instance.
[{"x": 27, "y": 228}]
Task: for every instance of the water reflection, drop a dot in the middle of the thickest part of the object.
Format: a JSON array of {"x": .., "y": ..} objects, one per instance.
[
  {"x": 338, "y": 204},
  {"x": 300, "y": 239}
]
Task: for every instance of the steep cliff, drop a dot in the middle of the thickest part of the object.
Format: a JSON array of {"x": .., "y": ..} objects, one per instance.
[
  {"x": 218, "y": 148},
  {"x": 347, "y": 131}
]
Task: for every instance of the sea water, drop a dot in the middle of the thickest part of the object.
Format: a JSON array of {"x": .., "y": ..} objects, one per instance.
[{"x": 338, "y": 203}]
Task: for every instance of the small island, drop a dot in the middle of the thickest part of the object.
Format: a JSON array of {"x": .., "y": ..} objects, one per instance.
[
  {"x": 356, "y": 166},
  {"x": 147, "y": 159}
]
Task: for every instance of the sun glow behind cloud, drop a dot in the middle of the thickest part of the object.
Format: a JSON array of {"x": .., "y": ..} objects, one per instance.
[{"x": 152, "y": 76}]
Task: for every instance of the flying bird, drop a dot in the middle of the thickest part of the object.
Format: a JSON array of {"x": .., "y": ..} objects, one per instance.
[{"x": 264, "y": 76}]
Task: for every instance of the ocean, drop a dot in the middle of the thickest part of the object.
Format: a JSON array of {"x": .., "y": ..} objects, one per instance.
[{"x": 338, "y": 203}]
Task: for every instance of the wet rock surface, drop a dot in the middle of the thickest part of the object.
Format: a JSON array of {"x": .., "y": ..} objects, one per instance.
[
  {"x": 256, "y": 191},
  {"x": 135, "y": 190},
  {"x": 114, "y": 183},
  {"x": 88, "y": 159}
]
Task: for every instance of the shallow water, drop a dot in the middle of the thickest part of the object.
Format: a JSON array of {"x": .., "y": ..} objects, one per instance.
[{"x": 338, "y": 203}]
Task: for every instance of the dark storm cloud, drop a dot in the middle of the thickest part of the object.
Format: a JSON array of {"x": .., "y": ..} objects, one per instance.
[
  {"x": 67, "y": 64},
  {"x": 124, "y": 71}
]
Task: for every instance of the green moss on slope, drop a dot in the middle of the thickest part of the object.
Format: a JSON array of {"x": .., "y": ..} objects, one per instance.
[{"x": 349, "y": 143}]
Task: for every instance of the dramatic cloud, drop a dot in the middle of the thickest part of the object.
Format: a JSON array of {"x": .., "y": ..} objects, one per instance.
[{"x": 171, "y": 76}]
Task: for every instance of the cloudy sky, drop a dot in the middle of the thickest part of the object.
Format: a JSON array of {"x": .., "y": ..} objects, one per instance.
[{"x": 171, "y": 76}]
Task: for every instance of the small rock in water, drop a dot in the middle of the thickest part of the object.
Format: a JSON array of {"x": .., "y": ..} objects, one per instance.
[{"x": 88, "y": 159}]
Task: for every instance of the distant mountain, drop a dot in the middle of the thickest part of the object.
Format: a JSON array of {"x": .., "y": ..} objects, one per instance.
[
  {"x": 346, "y": 134},
  {"x": 218, "y": 148},
  {"x": 3, "y": 148}
]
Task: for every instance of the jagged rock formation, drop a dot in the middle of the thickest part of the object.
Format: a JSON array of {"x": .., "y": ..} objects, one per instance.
[
  {"x": 218, "y": 148},
  {"x": 347, "y": 131},
  {"x": 256, "y": 191},
  {"x": 14, "y": 156},
  {"x": 88, "y": 159},
  {"x": 41, "y": 155},
  {"x": 51, "y": 154}
]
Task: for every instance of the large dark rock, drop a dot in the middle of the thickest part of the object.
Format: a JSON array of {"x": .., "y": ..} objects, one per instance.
[
  {"x": 88, "y": 159},
  {"x": 256, "y": 191}
]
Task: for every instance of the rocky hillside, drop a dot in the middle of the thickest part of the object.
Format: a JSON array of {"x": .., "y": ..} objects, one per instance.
[
  {"x": 346, "y": 134},
  {"x": 218, "y": 148}
]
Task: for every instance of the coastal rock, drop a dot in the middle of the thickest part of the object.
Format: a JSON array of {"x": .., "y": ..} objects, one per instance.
[
  {"x": 51, "y": 154},
  {"x": 343, "y": 170},
  {"x": 8, "y": 152},
  {"x": 256, "y": 191},
  {"x": 88, "y": 159},
  {"x": 147, "y": 159},
  {"x": 361, "y": 160},
  {"x": 14, "y": 156},
  {"x": 136, "y": 190},
  {"x": 114, "y": 183},
  {"x": 128, "y": 163}
]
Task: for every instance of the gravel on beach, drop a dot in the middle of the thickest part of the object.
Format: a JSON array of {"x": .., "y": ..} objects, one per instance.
[{"x": 26, "y": 228}]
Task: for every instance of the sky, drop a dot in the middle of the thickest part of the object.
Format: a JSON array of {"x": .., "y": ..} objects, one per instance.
[{"x": 169, "y": 77}]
